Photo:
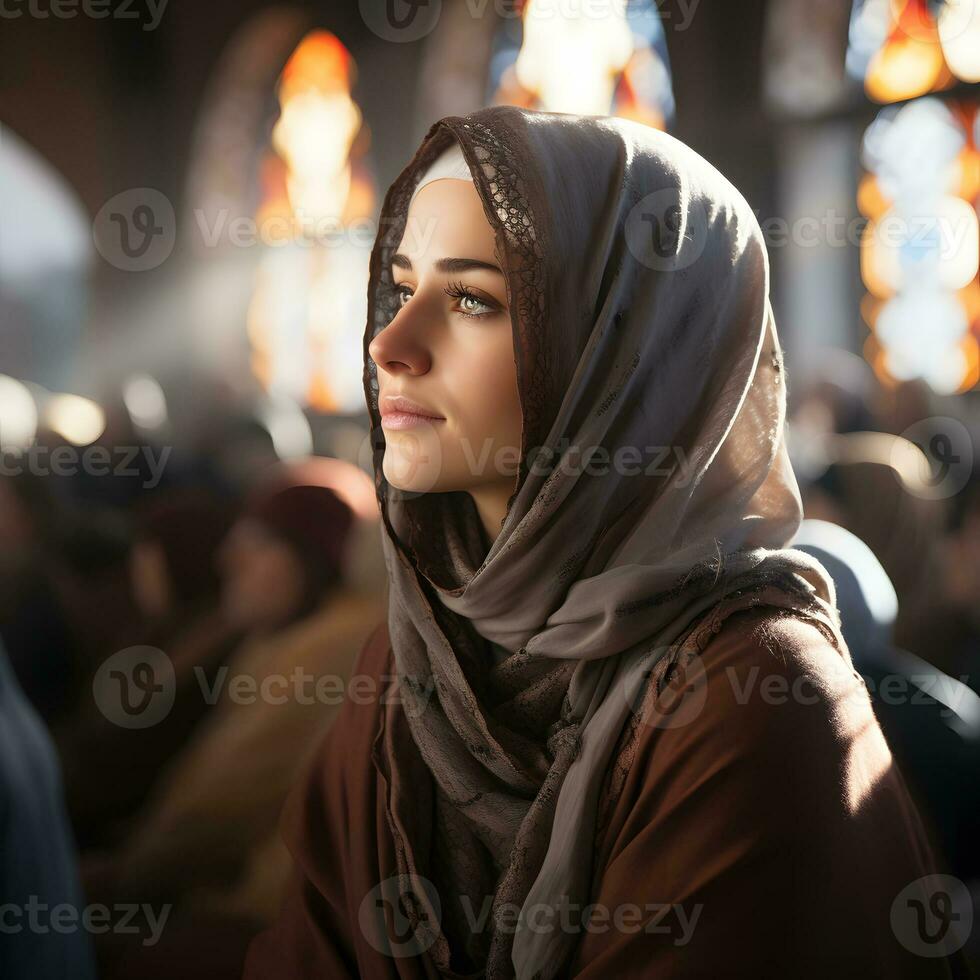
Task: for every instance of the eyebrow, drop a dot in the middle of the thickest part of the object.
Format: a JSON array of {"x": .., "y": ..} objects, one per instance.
[{"x": 447, "y": 265}]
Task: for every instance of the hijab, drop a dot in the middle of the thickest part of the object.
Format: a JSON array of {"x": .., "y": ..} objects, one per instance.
[{"x": 645, "y": 345}]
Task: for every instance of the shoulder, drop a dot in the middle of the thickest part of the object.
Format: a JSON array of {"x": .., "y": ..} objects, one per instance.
[
  {"x": 769, "y": 715},
  {"x": 762, "y": 792},
  {"x": 767, "y": 671}
]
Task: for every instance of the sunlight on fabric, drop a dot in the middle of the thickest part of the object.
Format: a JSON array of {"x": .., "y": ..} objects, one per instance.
[{"x": 867, "y": 764}]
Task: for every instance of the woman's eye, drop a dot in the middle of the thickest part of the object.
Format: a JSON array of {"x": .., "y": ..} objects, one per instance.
[
  {"x": 469, "y": 303},
  {"x": 475, "y": 305}
]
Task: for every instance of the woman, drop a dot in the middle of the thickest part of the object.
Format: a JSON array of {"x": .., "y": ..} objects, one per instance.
[{"x": 561, "y": 542}]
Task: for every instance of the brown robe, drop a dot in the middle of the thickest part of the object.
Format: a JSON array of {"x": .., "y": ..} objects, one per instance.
[{"x": 765, "y": 834}]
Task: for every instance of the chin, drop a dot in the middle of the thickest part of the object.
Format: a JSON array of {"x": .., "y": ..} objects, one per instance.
[{"x": 414, "y": 465}]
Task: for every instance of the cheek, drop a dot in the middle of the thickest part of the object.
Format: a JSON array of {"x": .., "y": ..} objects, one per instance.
[{"x": 485, "y": 391}]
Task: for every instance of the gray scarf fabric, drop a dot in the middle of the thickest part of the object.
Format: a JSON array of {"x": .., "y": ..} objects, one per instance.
[{"x": 644, "y": 341}]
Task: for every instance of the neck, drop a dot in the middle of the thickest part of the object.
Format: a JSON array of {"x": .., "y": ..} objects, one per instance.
[{"x": 491, "y": 504}]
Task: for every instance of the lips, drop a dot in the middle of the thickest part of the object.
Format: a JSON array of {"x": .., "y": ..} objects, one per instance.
[{"x": 399, "y": 405}]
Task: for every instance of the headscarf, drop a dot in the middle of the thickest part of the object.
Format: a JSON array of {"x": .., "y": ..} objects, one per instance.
[
  {"x": 638, "y": 282},
  {"x": 451, "y": 164}
]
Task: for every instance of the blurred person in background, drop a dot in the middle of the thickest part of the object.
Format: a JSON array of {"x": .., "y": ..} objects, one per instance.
[
  {"x": 900, "y": 406},
  {"x": 37, "y": 854},
  {"x": 34, "y": 623},
  {"x": 206, "y": 840},
  {"x": 952, "y": 625},
  {"x": 174, "y": 580},
  {"x": 64, "y": 585},
  {"x": 833, "y": 392},
  {"x": 869, "y": 487}
]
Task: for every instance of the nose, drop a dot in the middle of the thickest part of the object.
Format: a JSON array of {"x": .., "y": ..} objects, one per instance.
[{"x": 403, "y": 346}]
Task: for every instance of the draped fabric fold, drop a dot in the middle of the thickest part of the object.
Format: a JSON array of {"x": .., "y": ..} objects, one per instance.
[{"x": 653, "y": 483}]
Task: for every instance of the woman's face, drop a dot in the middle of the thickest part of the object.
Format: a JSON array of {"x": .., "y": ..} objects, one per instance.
[{"x": 450, "y": 349}]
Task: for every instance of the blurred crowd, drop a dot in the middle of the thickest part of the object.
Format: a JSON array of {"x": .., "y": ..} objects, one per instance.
[
  {"x": 171, "y": 656},
  {"x": 174, "y": 652}
]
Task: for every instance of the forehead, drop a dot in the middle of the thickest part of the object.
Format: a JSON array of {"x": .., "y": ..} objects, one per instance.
[{"x": 446, "y": 218}]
